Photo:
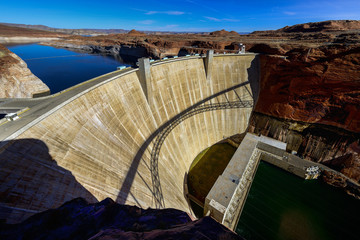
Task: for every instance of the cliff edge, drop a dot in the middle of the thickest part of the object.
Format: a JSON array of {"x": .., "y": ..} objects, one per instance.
[
  {"x": 78, "y": 219},
  {"x": 16, "y": 79}
]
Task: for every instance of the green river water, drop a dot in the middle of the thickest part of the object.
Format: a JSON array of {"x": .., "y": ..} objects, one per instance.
[{"x": 283, "y": 206}]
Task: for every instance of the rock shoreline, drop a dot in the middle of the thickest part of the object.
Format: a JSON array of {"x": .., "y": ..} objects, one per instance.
[
  {"x": 15, "y": 40},
  {"x": 17, "y": 81},
  {"x": 126, "y": 52}
]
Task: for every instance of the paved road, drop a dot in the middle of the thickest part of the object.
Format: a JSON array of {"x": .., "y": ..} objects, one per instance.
[{"x": 35, "y": 109}]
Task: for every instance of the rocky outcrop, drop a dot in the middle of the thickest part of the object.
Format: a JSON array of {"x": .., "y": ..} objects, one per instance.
[
  {"x": 12, "y": 31},
  {"x": 223, "y": 32},
  {"x": 309, "y": 94},
  {"x": 309, "y": 98},
  {"x": 16, "y": 79},
  {"x": 279, "y": 41},
  {"x": 58, "y": 32},
  {"x": 11, "y": 34},
  {"x": 155, "y": 46},
  {"x": 133, "y": 32},
  {"x": 320, "y": 85},
  {"x": 78, "y": 219},
  {"x": 339, "y": 181},
  {"x": 128, "y": 53},
  {"x": 325, "y": 26}
]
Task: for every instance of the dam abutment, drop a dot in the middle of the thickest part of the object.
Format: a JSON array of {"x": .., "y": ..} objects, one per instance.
[
  {"x": 117, "y": 145},
  {"x": 208, "y": 61},
  {"x": 145, "y": 76}
]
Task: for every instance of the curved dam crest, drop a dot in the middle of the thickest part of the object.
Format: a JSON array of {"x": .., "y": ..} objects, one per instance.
[{"x": 100, "y": 144}]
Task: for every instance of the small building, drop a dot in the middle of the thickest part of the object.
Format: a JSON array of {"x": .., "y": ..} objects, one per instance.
[{"x": 241, "y": 48}]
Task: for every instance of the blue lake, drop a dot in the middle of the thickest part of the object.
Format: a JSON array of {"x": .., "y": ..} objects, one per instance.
[{"x": 60, "y": 68}]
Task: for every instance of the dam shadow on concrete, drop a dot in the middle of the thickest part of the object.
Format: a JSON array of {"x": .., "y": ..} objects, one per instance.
[
  {"x": 44, "y": 183},
  {"x": 159, "y": 136}
]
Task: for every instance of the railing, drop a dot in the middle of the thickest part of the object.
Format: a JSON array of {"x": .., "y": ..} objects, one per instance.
[{"x": 232, "y": 212}]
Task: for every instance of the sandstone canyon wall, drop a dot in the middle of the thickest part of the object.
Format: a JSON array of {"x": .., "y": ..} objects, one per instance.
[
  {"x": 310, "y": 98},
  {"x": 16, "y": 79}
]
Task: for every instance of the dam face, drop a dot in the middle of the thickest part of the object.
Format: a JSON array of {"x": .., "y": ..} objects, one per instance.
[{"x": 114, "y": 142}]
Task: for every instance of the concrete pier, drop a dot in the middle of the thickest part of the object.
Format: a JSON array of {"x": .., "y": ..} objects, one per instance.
[
  {"x": 145, "y": 77},
  {"x": 208, "y": 63}
]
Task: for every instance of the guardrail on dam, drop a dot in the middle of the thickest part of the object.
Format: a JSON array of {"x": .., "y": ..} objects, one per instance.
[{"x": 121, "y": 141}]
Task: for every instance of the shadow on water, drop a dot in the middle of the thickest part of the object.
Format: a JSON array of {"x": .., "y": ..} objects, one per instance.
[
  {"x": 159, "y": 136},
  {"x": 32, "y": 181}
]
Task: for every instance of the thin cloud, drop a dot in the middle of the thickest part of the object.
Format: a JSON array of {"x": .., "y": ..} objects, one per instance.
[
  {"x": 222, "y": 19},
  {"x": 230, "y": 20},
  {"x": 165, "y": 12},
  {"x": 147, "y": 12},
  {"x": 213, "y": 19},
  {"x": 146, "y": 22},
  {"x": 290, "y": 13}
]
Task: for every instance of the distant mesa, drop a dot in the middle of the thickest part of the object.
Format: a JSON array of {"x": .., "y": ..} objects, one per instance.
[
  {"x": 223, "y": 32},
  {"x": 133, "y": 32},
  {"x": 7, "y": 30},
  {"x": 316, "y": 27},
  {"x": 325, "y": 26}
]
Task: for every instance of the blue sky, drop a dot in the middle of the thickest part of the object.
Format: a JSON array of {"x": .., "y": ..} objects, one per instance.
[{"x": 177, "y": 15}]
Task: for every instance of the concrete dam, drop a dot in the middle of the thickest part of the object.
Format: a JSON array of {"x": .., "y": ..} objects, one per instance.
[{"x": 132, "y": 139}]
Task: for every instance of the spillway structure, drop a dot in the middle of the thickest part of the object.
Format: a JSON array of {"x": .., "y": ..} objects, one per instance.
[{"x": 132, "y": 139}]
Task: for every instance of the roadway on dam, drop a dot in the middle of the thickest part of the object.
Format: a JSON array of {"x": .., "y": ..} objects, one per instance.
[
  {"x": 41, "y": 107},
  {"x": 33, "y": 110}
]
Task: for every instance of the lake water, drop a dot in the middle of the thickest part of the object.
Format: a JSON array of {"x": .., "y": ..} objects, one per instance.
[
  {"x": 283, "y": 206},
  {"x": 60, "y": 68}
]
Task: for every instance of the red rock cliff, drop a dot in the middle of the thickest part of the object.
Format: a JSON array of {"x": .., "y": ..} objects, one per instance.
[
  {"x": 310, "y": 98},
  {"x": 320, "y": 85}
]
